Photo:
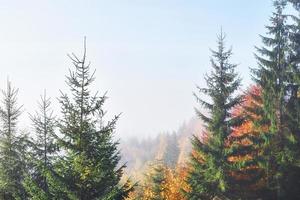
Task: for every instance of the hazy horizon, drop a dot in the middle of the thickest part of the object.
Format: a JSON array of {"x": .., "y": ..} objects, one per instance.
[{"x": 149, "y": 55}]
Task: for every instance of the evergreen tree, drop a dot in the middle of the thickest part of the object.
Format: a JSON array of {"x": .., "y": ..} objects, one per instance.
[
  {"x": 275, "y": 76},
  {"x": 37, "y": 183},
  {"x": 209, "y": 164},
  {"x": 12, "y": 147},
  {"x": 293, "y": 104},
  {"x": 155, "y": 183},
  {"x": 90, "y": 168},
  {"x": 158, "y": 180}
]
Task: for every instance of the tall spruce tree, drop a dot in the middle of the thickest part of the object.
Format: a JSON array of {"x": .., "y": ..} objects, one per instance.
[
  {"x": 293, "y": 103},
  {"x": 12, "y": 147},
  {"x": 275, "y": 76},
  {"x": 37, "y": 183},
  {"x": 209, "y": 164},
  {"x": 90, "y": 167}
]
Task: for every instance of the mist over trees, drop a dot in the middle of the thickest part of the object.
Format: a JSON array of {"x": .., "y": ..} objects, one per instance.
[
  {"x": 243, "y": 145},
  {"x": 249, "y": 147}
]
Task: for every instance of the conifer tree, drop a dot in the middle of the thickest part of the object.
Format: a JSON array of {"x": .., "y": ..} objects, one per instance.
[
  {"x": 37, "y": 182},
  {"x": 12, "y": 147},
  {"x": 274, "y": 75},
  {"x": 292, "y": 113},
  {"x": 90, "y": 168},
  {"x": 209, "y": 164},
  {"x": 155, "y": 183},
  {"x": 158, "y": 180},
  {"x": 294, "y": 71}
]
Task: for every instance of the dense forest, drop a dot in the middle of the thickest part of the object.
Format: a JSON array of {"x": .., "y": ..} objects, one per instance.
[{"x": 244, "y": 144}]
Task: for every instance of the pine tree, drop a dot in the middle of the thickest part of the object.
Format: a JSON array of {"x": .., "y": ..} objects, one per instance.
[
  {"x": 209, "y": 164},
  {"x": 42, "y": 156},
  {"x": 90, "y": 168},
  {"x": 274, "y": 76},
  {"x": 12, "y": 147}
]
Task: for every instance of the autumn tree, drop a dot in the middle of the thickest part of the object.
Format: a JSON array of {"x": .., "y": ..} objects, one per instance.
[
  {"x": 247, "y": 176},
  {"x": 162, "y": 183}
]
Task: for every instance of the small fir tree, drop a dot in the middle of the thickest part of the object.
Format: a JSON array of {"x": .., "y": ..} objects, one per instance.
[
  {"x": 12, "y": 147},
  {"x": 38, "y": 183}
]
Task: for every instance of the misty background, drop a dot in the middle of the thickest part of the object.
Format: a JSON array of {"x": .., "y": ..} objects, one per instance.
[{"x": 149, "y": 54}]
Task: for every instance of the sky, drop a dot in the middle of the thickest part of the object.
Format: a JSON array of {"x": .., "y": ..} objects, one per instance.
[{"x": 149, "y": 54}]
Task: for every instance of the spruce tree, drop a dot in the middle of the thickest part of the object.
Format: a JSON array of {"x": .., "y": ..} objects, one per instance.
[
  {"x": 275, "y": 76},
  {"x": 293, "y": 103},
  {"x": 209, "y": 166},
  {"x": 158, "y": 180},
  {"x": 90, "y": 167},
  {"x": 37, "y": 183},
  {"x": 12, "y": 147},
  {"x": 155, "y": 182}
]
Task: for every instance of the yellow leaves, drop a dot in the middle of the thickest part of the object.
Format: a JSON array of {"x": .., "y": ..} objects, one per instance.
[
  {"x": 240, "y": 158},
  {"x": 170, "y": 188},
  {"x": 85, "y": 173},
  {"x": 175, "y": 183}
]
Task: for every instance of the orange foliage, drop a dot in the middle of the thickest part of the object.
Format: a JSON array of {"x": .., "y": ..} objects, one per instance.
[
  {"x": 248, "y": 128},
  {"x": 175, "y": 182},
  {"x": 172, "y": 186}
]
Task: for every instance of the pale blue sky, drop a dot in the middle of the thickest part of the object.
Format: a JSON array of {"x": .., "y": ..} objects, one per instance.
[{"x": 149, "y": 54}]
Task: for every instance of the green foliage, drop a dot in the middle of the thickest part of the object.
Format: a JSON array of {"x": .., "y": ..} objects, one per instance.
[
  {"x": 154, "y": 187},
  {"x": 42, "y": 153},
  {"x": 158, "y": 180},
  {"x": 209, "y": 164},
  {"x": 12, "y": 148},
  {"x": 277, "y": 76},
  {"x": 90, "y": 166}
]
